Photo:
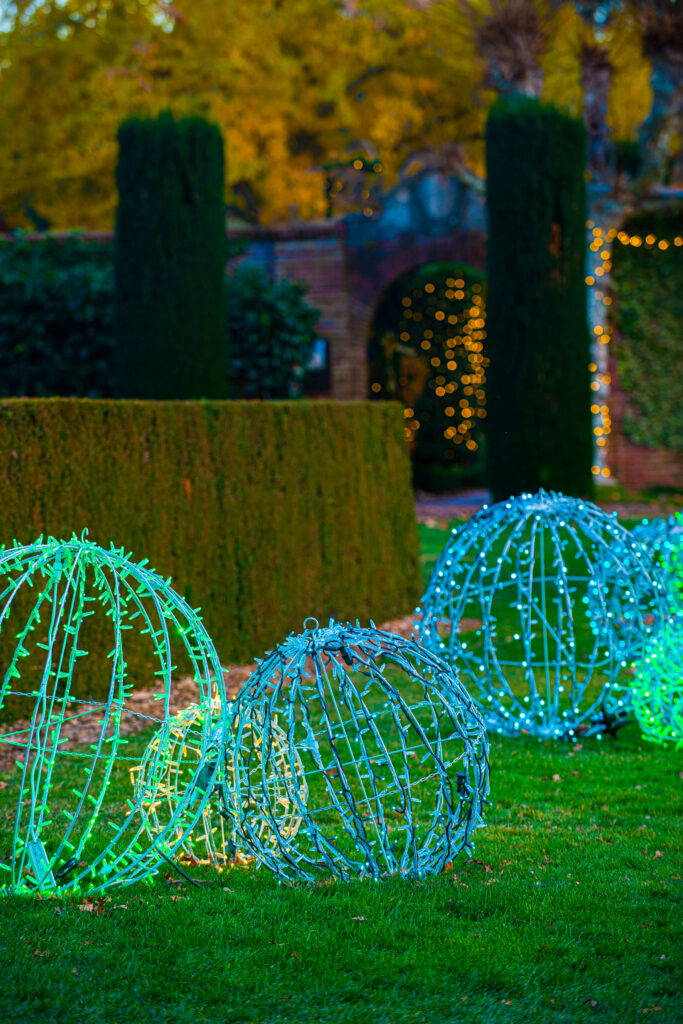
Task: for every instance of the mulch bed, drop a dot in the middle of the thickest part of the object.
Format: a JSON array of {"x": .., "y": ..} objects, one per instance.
[{"x": 142, "y": 707}]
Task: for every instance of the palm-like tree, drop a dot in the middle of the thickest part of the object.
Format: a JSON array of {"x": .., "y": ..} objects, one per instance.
[
  {"x": 596, "y": 77},
  {"x": 511, "y": 37}
]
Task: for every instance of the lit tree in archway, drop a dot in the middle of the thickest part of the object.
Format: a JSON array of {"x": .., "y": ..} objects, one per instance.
[{"x": 428, "y": 351}]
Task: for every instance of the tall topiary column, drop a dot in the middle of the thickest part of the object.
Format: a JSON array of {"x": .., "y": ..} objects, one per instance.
[
  {"x": 169, "y": 259},
  {"x": 539, "y": 421}
]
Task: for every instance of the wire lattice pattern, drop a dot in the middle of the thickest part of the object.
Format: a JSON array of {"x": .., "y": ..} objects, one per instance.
[
  {"x": 48, "y": 592},
  {"x": 658, "y": 687},
  {"x": 663, "y": 539},
  {"x": 384, "y": 739},
  {"x": 160, "y": 784},
  {"x": 566, "y": 598}
]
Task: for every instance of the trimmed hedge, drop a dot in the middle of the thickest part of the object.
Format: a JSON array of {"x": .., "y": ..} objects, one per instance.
[
  {"x": 539, "y": 423},
  {"x": 263, "y": 513},
  {"x": 170, "y": 248},
  {"x": 648, "y": 315}
]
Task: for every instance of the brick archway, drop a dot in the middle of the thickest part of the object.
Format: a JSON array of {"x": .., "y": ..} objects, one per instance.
[{"x": 373, "y": 269}]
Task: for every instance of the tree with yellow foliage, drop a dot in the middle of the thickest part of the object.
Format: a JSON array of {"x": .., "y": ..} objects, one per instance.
[{"x": 294, "y": 85}]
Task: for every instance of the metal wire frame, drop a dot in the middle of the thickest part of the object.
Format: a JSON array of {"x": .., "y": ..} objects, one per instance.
[
  {"x": 160, "y": 785},
  {"x": 394, "y": 755},
  {"x": 663, "y": 540},
  {"x": 66, "y": 850},
  {"x": 582, "y": 592},
  {"x": 657, "y": 687}
]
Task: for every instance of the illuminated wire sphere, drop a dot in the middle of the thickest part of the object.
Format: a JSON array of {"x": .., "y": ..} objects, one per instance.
[
  {"x": 658, "y": 687},
  {"x": 72, "y": 717},
  {"x": 542, "y": 602},
  {"x": 663, "y": 539},
  {"x": 160, "y": 784},
  {"x": 387, "y": 757}
]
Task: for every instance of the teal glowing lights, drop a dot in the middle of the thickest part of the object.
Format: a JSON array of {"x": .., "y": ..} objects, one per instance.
[
  {"x": 663, "y": 539},
  {"x": 386, "y": 757},
  {"x": 658, "y": 687},
  {"x": 49, "y": 591},
  {"x": 562, "y": 598}
]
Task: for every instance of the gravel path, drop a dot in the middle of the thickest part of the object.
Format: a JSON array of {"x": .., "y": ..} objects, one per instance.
[{"x": 439, "y": 509}]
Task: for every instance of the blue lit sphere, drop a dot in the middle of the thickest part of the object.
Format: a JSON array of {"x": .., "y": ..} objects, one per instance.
[
  {"x": 542, "y": 614},
  {"x": 663, "y": 539},
  {"x": 658, "y": 687},
  {"x": 384, "y": 740},
  {"x": 73, "y": 827}
]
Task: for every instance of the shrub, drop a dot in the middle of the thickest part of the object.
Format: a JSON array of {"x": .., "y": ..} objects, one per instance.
[
  {"x": 56, "y": 317},
  {"x": 539, "y": 422},
  {"x": 169, "y": 259},
  {"x": 271, "y": 331}
]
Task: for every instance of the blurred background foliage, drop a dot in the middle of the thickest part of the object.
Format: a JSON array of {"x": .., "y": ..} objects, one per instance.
[{"x": 293, "y": 86}]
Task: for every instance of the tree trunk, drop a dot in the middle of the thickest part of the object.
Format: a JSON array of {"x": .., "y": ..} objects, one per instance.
[{"x": 664, "y": 120}]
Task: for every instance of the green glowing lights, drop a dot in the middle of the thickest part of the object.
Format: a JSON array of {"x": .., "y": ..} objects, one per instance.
[
  {"x": 658, "y": 687},
  {"x": 54, "y": 595}
]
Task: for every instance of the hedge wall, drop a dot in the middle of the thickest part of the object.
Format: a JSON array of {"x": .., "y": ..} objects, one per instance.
[
  {"x": 648, "y": 282},
  {"x": 539, "y": 428},
  {"x": 262, "y": 513}
]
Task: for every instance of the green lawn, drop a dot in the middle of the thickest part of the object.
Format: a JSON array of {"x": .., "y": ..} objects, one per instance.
[{"x": 569, "y": 910}]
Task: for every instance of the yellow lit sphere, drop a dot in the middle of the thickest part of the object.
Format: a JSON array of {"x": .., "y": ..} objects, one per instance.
[{"x": 212, "y": 840}]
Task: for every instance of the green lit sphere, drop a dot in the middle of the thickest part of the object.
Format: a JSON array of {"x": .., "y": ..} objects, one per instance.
[
  {"x": 72, "y": 717},
  {"x": 658, "y": 687}
]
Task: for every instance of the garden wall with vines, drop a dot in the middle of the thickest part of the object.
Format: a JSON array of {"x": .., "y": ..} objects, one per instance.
[{"x": 648, "y": 312}]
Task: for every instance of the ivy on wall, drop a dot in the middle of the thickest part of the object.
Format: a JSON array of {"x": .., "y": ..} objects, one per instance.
[{"x": 648, "y": 284}]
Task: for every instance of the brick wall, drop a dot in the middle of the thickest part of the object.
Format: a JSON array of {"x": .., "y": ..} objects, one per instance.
[{"x": 314, "y": 254}]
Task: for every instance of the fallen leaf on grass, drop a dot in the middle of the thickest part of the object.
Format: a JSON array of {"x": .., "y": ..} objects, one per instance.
[
  {"x": 486, "y": 867},
  {"x": 651, "y": 1009},
  {"x": 557, "y": 778},
  {"x": 38, "y": 952}
]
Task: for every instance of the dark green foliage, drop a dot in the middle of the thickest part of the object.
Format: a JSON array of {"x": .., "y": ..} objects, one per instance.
[
  {"x": 56, "y": 333},
  {"x": 169, "y": 260},
  {"x": 262, "y": 512},
  {"x": 648, "y": 282},
  {"x": 271, "y": 331},
  {"x": 627, "y": 157},
  {"x": 427, "y": 350},
  {"x": 539, "y": 422}
]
